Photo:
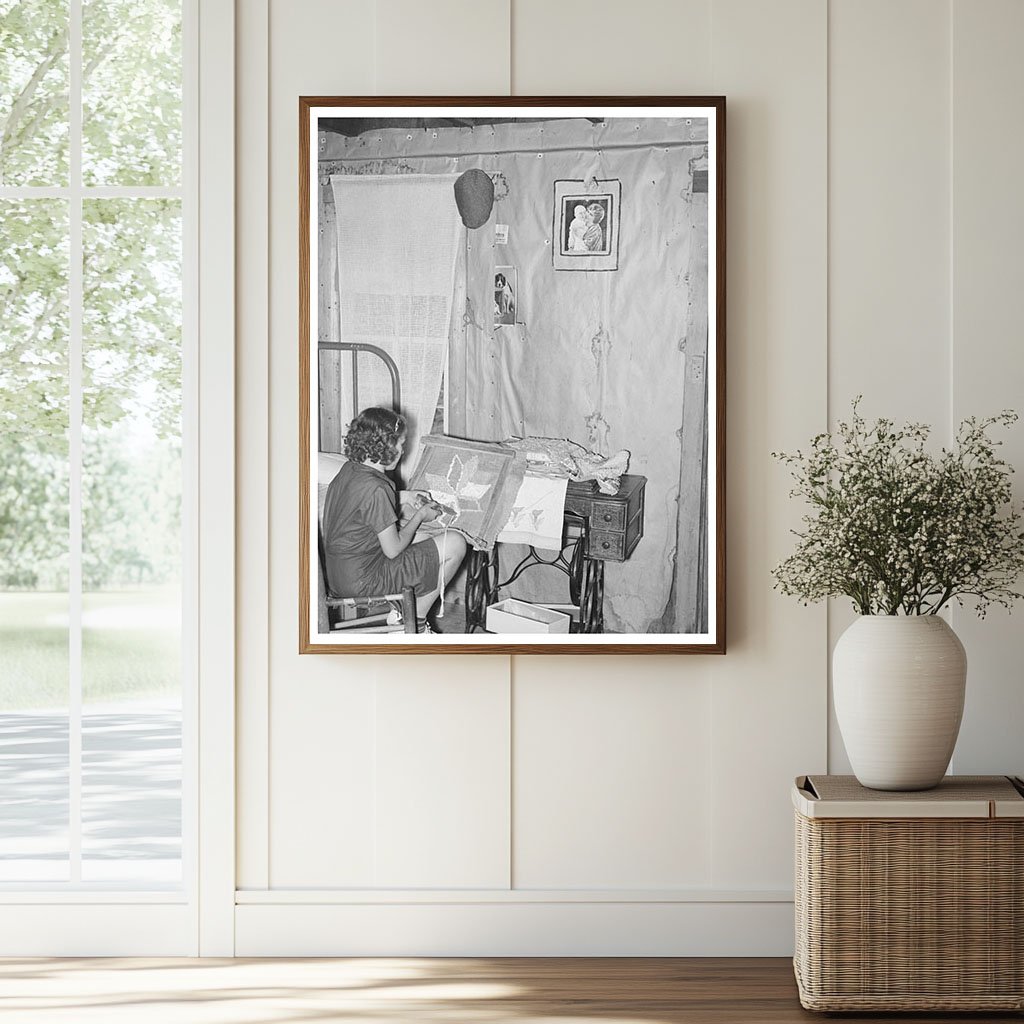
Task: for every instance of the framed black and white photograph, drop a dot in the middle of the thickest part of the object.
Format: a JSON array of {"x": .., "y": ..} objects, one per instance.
[
  {"x": 497, "y": 456},
  {"x": 586, "y": 225}
]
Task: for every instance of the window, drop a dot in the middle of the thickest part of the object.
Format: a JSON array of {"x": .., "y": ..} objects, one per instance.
[{"x": 95, "y": 458}]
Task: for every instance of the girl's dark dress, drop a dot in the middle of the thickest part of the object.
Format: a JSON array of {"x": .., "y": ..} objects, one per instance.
[{"x": 360, "y": 503}]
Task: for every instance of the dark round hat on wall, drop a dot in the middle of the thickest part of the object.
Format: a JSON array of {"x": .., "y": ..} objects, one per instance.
[{"x": 474, "y": 196}]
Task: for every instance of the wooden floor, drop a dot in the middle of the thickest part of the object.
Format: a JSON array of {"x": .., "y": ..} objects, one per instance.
[{"x": 382, "y": 991}]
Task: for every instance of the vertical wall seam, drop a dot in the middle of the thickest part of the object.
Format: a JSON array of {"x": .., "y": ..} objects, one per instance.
[
  {"x": 712, "y": 830},
  {"x": 76, "y": 345},
  {"x": 374, "y": 782},
  {"x": 510, "y": 661},
  {"x": 265, "y": 440},
  {"x": 950, "y": 358},
  {"x": 711, "y": 778},
  {"x": 828, "y": 341},
  {"x": 511, "y": 49},
  {"x": 376, "y": 76},
  {"x": 950, "y": 126},
  {"x": 711, "y": 44},
  {"x": 190, "y": 459},
  {"x": 190, "y": 465},
  {"x": 510, "y": 705}
]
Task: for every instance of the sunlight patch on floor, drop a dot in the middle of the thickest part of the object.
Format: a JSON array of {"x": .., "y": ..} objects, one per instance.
[{"x": 219, "y": 991}]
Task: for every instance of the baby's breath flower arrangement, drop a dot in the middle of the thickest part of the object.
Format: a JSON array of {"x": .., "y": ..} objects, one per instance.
[{"x": 899, "y": 530}]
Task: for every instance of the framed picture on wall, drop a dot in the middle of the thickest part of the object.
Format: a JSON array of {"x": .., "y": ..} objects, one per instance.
[
  {"x": 585, "y": 225},
  {"x": 497, "y": 456}
]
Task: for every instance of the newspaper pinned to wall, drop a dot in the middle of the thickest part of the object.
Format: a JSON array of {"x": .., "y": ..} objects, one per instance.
[{"x": 398, "y": 244}]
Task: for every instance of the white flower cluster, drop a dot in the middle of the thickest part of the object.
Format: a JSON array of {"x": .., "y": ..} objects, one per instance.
[{"x": 897, "y": 529}]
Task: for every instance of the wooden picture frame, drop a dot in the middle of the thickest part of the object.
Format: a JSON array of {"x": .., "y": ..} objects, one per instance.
[
  {"x": 583, "y": 209},
  {"x": 407, "y": 208}
]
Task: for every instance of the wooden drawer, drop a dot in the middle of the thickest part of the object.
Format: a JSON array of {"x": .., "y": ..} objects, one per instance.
[
  {"x": 604, "y": 515},
  {"x": 607, "y": 545},
  {"x": 615, "y": 521}
]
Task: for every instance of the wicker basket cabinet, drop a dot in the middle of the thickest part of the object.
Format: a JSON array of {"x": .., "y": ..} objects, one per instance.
[{"x": 910, "y": 901}]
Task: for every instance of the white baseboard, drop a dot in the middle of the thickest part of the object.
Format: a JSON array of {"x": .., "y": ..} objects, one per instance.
[
  {"x": 504, "y": 928},
  {"x": 96, "y": 929}
]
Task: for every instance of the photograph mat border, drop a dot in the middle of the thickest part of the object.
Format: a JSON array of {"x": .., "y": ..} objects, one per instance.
[
  {"x": 311, "y": 641},
  {"x": 605, "y": 261}
]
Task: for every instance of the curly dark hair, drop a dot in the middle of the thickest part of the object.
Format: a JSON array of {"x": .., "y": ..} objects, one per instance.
[{"x": 373, "y": 436}]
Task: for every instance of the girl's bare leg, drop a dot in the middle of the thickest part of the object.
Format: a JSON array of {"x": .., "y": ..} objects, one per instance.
[{"x": 451, "y": 550}]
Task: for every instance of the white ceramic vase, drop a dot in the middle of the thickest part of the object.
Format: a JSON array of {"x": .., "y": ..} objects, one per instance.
[{"x": 898, "y": 685}]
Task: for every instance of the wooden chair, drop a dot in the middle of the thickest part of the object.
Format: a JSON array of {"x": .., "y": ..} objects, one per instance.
[{"x": 364, "y": 614}]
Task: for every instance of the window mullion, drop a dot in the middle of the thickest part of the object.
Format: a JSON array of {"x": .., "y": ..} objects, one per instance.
[{"x": 75, "y": 334}]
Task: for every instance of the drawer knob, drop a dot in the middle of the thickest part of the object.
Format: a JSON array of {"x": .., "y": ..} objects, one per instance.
[
  {"x": 607, "y": 517},
  {"x": 605, "y": 545}
]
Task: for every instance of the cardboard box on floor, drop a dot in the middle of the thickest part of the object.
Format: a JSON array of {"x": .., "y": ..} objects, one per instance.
[{"x": 512, "y": 616}]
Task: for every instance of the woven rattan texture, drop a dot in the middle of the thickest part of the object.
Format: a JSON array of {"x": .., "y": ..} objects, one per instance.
[
  {"x": 916, "y": 914},
  {"x": 959, "y": 787}
]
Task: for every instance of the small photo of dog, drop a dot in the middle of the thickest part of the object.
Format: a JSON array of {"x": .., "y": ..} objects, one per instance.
[{"x": 505, "y": 288}]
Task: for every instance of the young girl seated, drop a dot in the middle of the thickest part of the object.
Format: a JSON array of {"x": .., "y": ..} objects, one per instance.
[{"x": 368, "y": 550}]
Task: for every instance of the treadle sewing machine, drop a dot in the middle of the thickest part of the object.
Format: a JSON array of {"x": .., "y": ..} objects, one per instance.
[{"x": 597, "y": 528}]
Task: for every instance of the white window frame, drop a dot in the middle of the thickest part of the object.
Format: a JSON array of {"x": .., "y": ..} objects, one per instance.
[
  {"x": 51, "y": 919},
  {"x": 216, "y": 393}
]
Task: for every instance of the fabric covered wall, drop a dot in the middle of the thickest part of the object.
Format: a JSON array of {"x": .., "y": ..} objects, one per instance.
[{"x": 599, "y": 357}]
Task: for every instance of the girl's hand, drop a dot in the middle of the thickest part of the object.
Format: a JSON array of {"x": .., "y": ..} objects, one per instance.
[
  {"x": 413, "y": 498},
  {"x": 410, "y": 503},
  {"x": 429, "y": 512}
]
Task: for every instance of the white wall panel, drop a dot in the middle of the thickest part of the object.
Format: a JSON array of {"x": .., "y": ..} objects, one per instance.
[
  {"x": 612, "y": 786},
  {"x": 323, "y": 728},
  {"x": 889, "y": 249},
  {"x": 988, "y": 364},
  {"x": 320, "y": 49},
  {"x": 889, "y": 209},
  {"x": 401, "y": 779},
  {"x": 853, "y": 267},
  {"x": 442, "y": 48},
  {"x": 632, "y": 750},
  {"x": 769, "y": 692},
  {"x": 579, "y": 47},
  {"x": 323, "y": 780},
  {"x": 252, "y": 190},
  {"x": 314, "y": 703},
  {"x": 442, "y": 776}
]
